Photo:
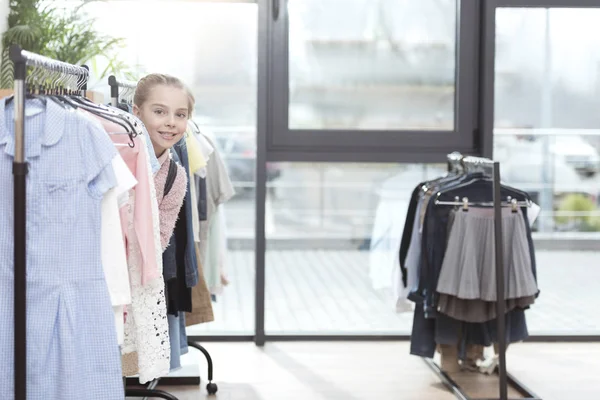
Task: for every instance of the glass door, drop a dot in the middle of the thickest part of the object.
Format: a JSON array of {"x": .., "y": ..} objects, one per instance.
[{"x": 546, "y": 86}]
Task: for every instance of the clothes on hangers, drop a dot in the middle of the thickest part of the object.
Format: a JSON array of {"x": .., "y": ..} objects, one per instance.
[
  {"x": 187, "y": 237},
  {"x": 138, "y": 162},
  {"x": 128, "y": 109},
  {"x": 197, "y": 156},
  {"x": 146, "y": 325},
  {"x": 170, "y": 205},
  {"x": 181, "y": 254},
  {"x": 145, "y": 349},
  {"x": 129, "y": 254},
  {"x": 174, "y": 257},
  {"x": 68, "y": 302},
  {"x": 467, "y": 281},
  {"x": 219, "y": 190},
  {"x": 114, "y": 257},
  {"x": 446, "y": 263},
  {"x": 202, "y": 310}
]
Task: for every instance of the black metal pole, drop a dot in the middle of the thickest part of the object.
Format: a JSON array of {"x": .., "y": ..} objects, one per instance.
[
  {"x": 500, "y": 306},
  {"x": 262, "y": 132},
  {"x": 20, "y": 209},
  {"x": 153, "y": 393},
  {"x": 82, "y": 81},
  {"x": 114, "y": 90}
]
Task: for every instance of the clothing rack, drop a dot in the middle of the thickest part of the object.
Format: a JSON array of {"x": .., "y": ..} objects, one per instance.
[
  {"x": 456, "y": 162},
  {"x": 150, "y": 390},
  {"x": 21, "y": 60},
  {"x": 115, "y": 85}
]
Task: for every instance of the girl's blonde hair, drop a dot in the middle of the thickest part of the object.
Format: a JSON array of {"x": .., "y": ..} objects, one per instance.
[{"x": 147, "y": 83}]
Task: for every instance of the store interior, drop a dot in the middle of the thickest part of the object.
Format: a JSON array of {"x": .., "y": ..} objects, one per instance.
[{"x": 365, "y": 148}]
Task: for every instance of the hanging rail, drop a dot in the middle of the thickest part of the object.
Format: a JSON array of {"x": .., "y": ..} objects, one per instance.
[
  {"x": 115, "y": 84},
  {"x": 21, "y": 59},
  {"x": 513, "y": 203}
]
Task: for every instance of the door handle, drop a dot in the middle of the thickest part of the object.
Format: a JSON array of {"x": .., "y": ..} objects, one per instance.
[{"x": 276, "y": 6}]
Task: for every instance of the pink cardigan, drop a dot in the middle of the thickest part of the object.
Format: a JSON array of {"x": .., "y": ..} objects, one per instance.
[
  {"x": 136, "y": 160},
  {"x": 169, "y": 206}
]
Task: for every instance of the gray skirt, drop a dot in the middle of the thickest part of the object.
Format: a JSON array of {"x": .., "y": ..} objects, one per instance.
[
  {"x": 477, "y": 310},
  {"x": 468, "y": 269}
]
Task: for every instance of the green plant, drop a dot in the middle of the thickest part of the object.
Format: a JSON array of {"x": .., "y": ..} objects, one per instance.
[
  {"x": 65, "y": 35},
  {"x": 582, "y": 204}
]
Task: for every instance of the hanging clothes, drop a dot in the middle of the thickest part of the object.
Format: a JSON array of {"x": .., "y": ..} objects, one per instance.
[
  {"x": 68, "y": 302},
  {"x": 187, "y": 238},
  {"x": 169, "y": 205},
  {"x": 202, "y": 310},
  {"x": 137, "y": 160},
  {"x": 114, "y": 257},
  {"x": 181, "y": 252},
  {"x": 467, "y": 281},
  {"x": 219, "y": 190},
  {"x": 174, "y": 266},
  {"x": 445, "y": 262},
  {"x": 146, "y": 349}
]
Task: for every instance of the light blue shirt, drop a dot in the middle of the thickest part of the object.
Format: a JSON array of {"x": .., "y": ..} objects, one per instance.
[
  {"x": 154, "y": 164},
  {"x": 72, "y": 348}
]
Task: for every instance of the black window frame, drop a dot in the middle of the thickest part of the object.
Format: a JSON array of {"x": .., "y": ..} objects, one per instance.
[
  {"x": 544, "y": 3},
  {"x": 284, "y": 144}
]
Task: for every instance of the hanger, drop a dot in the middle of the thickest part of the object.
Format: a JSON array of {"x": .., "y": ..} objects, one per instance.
[
  {"x": 195, "y": 125},
  {"x": 74, "y": 99}
]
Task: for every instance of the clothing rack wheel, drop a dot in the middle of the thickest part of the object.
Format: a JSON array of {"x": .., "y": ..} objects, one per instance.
[{"x": 211, "y": 387}]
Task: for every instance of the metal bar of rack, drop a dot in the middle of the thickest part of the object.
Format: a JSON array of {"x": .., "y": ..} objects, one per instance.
[
  {"x": 115, "y": 85},
  {"x": 151, "y": 390},
  {"x": 21, "y": 59},
  {"x": 457, "y": 162}
]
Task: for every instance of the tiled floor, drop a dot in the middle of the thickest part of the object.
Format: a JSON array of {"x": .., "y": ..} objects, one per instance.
[
  {"x": 330, "y": 292},
  {"x": 382, "y": 371}
]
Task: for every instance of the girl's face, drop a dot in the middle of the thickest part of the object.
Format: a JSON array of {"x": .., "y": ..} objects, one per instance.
[{"x": 165, "y": 114}]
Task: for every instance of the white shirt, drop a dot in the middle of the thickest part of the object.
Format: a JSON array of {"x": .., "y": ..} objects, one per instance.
[{"x": 114, "y": 259}]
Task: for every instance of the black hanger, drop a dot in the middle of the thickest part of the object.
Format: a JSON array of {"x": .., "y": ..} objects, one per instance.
[{"x": 103, "y": 109}]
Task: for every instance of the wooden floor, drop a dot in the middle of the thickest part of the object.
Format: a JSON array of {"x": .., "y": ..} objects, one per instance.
[
  {"x": 330, "y": 292},
  {"x": 383, "y": 371}
]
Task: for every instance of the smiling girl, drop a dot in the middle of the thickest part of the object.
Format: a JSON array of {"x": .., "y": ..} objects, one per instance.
[{"x": 164, "y": 104}]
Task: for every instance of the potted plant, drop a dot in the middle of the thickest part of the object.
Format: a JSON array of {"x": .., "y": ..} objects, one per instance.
[{"x": 65, "y": 35}]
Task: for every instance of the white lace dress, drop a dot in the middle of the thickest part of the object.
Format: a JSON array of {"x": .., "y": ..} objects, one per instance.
[{"x": 146, "y": 349}]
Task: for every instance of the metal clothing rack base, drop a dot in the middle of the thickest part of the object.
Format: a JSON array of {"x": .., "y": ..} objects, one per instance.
[
  {"x": 151, "y": 390},
  {"x": 503, "y": 376},
  {"x": 460, "y": 394}
]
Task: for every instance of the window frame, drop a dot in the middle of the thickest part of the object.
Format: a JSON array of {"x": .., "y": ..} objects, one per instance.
[
  {"x": 545, "y": 3},
  {"x": 284, "y": 144},
  {"x": 488, "y": 57}
]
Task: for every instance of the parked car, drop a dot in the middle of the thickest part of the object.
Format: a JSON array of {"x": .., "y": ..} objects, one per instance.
[
  {"x": 573, "y": 150},
  {"x": 239, "y": 154},
  {"x": 578, "y": 153}
]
